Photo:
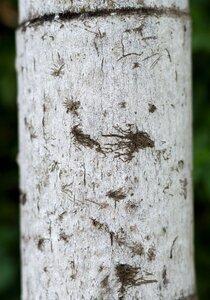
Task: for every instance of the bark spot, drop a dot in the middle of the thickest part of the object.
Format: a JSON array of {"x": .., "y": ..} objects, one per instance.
[
  {"x": 101, "y": 268},
  {"x": 137, "y": 249},
  {"x": 64, "y": 237},
  {"x": 176, "y": 76},
  {"x": 57, "y": 69},
  {"x": 164, "y": 154},
  {"x": 148, "y": 237},
  {"x": 181, "y": 164},
  {"x": 169, "y": 55},
  {"x": 128, "y": 277},
  {"x": 128, "y": 142},
  {"x": 138, "y": 29},
  {"x": 71, "y": 106},
  {"x": 85, "y": 140},
  {"x": 120, "y": 237},
  {"x": 116, "y": 195},
  {"x": 73, "y": 270},
  {"x": 111, "y": 3},
  {"x": 151, "y": 254},
  {"x": 54, "y": 166},
  {"x": 152, "y": 108},
  {"x": 136, "y": 65},
  {"x": 103, "y": 205},
  {"x": 164, "y": 230},
  {"x": 126, "y": 274},
  {"x": 184, "y": 184},
  {"x": 147, "y": 38},
  {"x": 133, "y": 228},
  {"x": 122, "y": 104},
  {"x": 179, "y": 167},
  {"x": 99, "y": 225},
  {"x": 61, "y": 216},
  {"x": 23, "y": 198},
  {"x": 172, "y": 247},
  {"x": 31, "y": 129},
  {"x": 164, "y": 277},
  {"x": 131, "y": 206},
  {"x": 103, "y": 227},
  {"x": 105, "y": 282},
  {"x": 40, "y": 244}
]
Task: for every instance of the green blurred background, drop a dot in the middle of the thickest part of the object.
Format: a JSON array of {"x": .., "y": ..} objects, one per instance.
[{"x": 9, "y": 214}]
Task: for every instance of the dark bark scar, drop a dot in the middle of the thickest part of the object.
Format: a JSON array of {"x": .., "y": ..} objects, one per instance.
[
  {"x": 128, "y": 277},
  {"x": 164, "y": 277},
  {"x": 85, "y": 140},
  {"x": 71, "y": 106},
  {"x": 40, "y": 244},
  {"x": 152, "y": 108},
  {"x": 172, "y": 247},
  {"x": 23, "y": 198},
  {"x": 35, "y": 21},
  {"x": 128, "y": 142},
  {"x": 116, "y": 195}
]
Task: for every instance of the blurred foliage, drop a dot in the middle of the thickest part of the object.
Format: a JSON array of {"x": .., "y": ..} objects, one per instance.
[
  {"x": 9, "y": 214},
  {"x": 201, "y": 88}
]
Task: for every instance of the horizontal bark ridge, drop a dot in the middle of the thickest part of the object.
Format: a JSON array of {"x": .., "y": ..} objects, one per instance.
[{"x": 68, "y": 15}]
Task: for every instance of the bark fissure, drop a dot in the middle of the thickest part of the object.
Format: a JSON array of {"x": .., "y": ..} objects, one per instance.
[{"x": 68, "y": 15}]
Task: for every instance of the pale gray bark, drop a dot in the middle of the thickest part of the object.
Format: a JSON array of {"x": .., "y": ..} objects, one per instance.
[{"x": 105, "y": 150}]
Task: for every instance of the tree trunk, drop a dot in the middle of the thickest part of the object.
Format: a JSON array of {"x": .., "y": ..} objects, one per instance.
[{"x": 105, "y": 150}]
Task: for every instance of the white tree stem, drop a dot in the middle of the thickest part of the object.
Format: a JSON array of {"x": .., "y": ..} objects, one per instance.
[{"x": 105, "y": 151}]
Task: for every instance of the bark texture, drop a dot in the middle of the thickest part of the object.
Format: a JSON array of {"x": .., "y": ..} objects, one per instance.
[
  {"x": 34, "y": 8},
  {"x": 105, "y": 152}
]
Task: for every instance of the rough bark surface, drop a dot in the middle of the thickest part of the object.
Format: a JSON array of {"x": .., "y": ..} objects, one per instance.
[{"x": 105, "y": 154}]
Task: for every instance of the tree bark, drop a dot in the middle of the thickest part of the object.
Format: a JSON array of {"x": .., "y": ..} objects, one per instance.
[{"x": 105, "y": 150}]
